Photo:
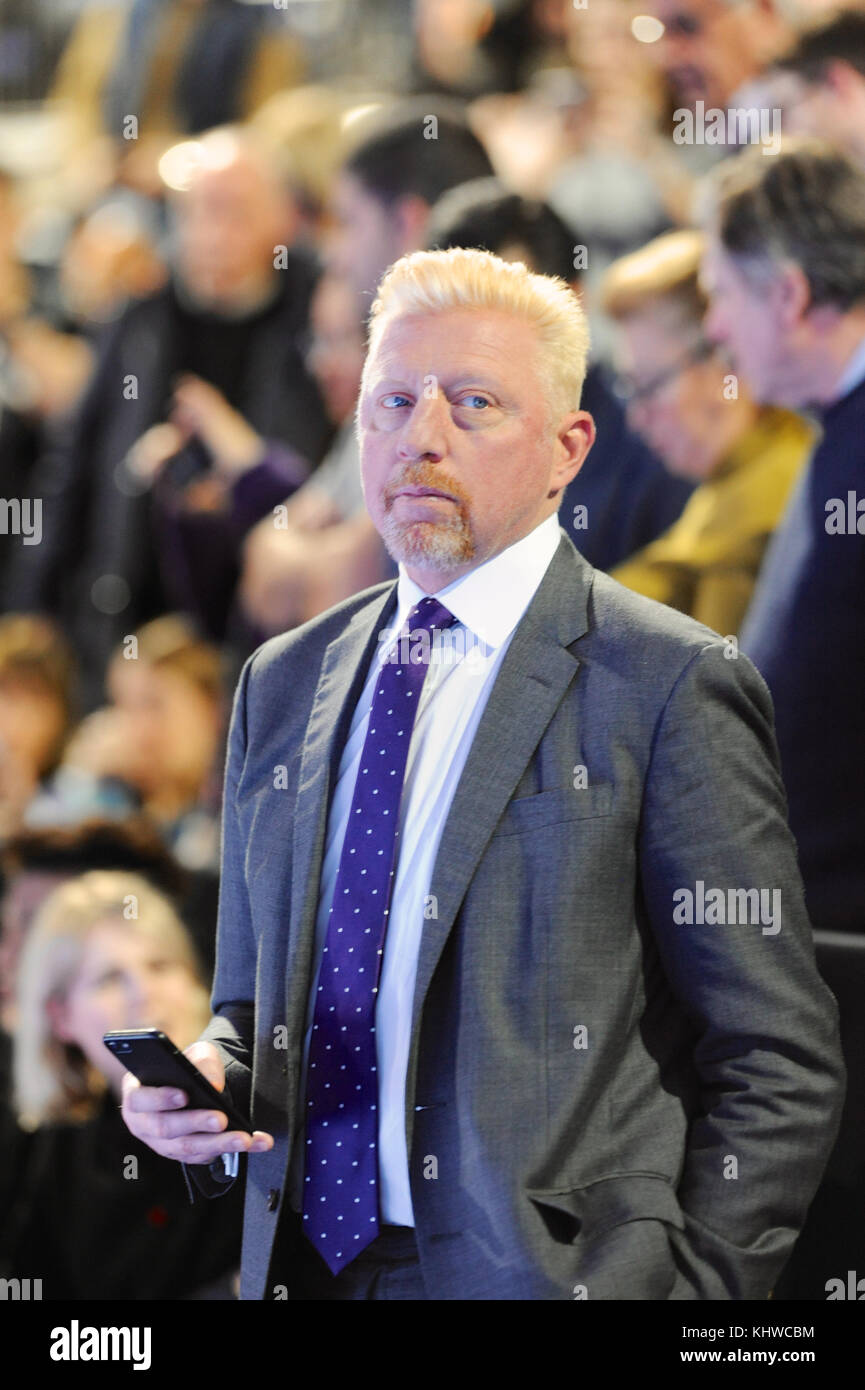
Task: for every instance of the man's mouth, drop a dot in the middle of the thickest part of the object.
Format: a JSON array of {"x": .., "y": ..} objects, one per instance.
[{"x": 420, "y": 491}]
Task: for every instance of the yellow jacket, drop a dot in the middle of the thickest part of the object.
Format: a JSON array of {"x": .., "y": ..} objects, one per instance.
[{"x": 707, "y": 562}]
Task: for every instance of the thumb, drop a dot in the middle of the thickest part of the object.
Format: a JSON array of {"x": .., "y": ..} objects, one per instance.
[
  {"x": 129, "y": 1083},
  {"x": 207, "y": 1059}
]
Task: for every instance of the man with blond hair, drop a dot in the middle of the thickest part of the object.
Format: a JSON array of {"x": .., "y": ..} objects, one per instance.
[{"x": 514, "y": 974}]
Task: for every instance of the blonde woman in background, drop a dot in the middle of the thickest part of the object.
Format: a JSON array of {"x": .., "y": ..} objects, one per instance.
[{"x": 95, "y": 1214}]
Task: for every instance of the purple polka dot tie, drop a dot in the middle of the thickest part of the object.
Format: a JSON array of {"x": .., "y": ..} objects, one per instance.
[{"x": 340, "y": 1189}]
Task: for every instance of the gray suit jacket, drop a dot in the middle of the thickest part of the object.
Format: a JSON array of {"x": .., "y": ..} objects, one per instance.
[{"x": 621, "y": 1105}]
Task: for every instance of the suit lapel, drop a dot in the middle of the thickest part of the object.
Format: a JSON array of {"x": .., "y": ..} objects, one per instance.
[{"x": 534, "y": 676}]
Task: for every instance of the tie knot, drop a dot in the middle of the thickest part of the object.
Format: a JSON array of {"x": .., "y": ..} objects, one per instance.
[{"x": 429, "y": 614}]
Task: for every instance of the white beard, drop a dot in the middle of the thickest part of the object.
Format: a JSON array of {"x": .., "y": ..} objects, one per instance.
[{"x": 442, "y": 544}]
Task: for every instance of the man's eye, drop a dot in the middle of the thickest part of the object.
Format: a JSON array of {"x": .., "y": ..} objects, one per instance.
[
  {"x": 394, "y": 401},
  {"x": 475, "y": 400}
]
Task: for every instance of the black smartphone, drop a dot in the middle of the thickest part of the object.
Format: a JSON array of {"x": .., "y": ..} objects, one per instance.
[{"x": 153, "y": 1058}]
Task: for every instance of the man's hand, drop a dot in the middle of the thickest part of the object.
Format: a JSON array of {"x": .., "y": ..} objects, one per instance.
[
  {"x": 153, "y": 449},
  {"x": 199, "y": 409},
  {"x": 154, "y": 1115}
]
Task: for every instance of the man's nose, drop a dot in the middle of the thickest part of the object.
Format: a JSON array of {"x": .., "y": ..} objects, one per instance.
[{"x": 424, "y": 434}]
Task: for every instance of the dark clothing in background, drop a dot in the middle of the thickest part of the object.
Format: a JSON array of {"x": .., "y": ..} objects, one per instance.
[
  {"x": 89, "y": 1232},
  {"x": 97, "y": 516},
  {"x": 629, "y": 497},
  {"x": 200, "y": 550},
  {"x": 805, "y": 631},
  {"x": 12, "y": 1139}
]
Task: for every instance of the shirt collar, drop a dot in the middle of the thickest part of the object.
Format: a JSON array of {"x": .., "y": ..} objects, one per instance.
[{"x": 490, "y": 600}]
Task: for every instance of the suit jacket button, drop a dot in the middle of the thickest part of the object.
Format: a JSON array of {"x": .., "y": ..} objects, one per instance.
[{"x": 273, "y": 1199}]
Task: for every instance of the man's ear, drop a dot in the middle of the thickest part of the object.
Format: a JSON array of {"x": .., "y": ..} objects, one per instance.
[
  {"x": 792, "y": 295},
  {"x": 574, "y": 438}
]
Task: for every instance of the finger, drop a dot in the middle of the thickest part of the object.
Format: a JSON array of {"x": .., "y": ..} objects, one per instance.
[
  {"x": 129, "y": 1083},
  {"x": 191, "y": 391},
  {"x": 197, "y": 1148},
  {"x": 200, "y": 390},
  {"x": 184, "y": 380},
  {"x": 181, "y": 1124},
  {"x": 149, "y": 1099},
  {"x": 183, "y": 418},
  {"x": 202, "y": 1054}
]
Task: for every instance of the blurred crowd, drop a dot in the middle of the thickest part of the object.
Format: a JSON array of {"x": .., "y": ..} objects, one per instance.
[{"x": 197, "y": 201}]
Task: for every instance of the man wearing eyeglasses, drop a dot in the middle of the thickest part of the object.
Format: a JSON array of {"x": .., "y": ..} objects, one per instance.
[{"x": 706, "y": 426}]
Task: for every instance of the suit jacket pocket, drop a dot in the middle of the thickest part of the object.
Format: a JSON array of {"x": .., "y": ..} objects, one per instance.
[
  {"x": 557, "y": 804},
  {"x": 589, "y": 1212}
]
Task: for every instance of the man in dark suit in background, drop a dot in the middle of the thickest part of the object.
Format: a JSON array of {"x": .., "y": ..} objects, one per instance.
[
  {"x": 786, "y": 275},
  {"x": 514, "y": 973}
]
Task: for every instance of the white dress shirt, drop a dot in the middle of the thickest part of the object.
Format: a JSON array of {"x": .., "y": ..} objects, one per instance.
[{"x": 488, "y": 604}]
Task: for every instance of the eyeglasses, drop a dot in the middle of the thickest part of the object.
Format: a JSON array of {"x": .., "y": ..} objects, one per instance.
[{"x": 629, "y": 390}]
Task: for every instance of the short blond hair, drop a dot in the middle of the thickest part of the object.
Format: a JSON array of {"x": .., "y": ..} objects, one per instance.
[
  {"x": 53, "y": 1082},
  {"x": 666, "y": 268},
  {"x": 430, "y": 282}
]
